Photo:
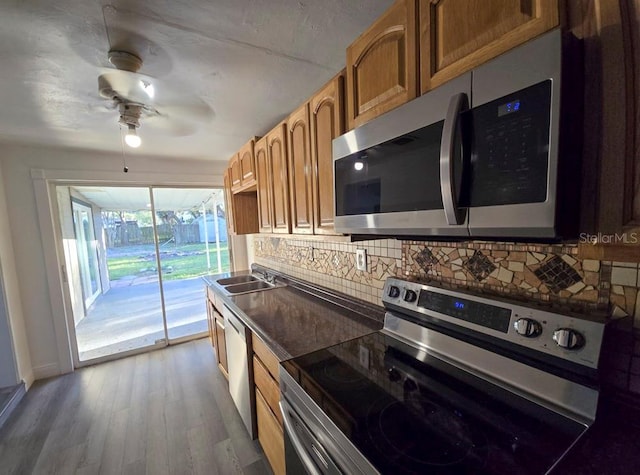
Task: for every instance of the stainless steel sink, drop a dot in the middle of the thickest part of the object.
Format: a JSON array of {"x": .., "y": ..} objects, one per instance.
[
  {"x": 240, "y": 279},
  {"x": 248, "y": 287}
]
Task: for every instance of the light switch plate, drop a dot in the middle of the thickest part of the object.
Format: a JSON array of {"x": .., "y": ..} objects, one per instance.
[{"x": 361, "y": 259}]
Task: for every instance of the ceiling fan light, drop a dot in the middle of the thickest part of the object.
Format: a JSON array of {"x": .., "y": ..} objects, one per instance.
[
  {"x": 132, "y": 139},
  {"x": 148, "y": 88}
]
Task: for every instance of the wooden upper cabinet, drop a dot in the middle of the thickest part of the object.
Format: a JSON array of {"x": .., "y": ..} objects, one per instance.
[
  {"x": 300, "y": 171},
  {"x": 242, "y": 166},
  {"x": 247, "y": 163},
  {"x": 277, "y": 153},
  {"x": 228, "y": 203},
  {"x": 382, "y": 65},
  {"x": 458, "y": 35},
  {"x": 327, "y": 123},
  {"x": 264, "y": 179},
  {"x": 235, "y": 173}
]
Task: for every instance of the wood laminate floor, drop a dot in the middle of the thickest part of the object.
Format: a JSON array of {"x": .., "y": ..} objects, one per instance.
[{"x": 164, "y": 412}]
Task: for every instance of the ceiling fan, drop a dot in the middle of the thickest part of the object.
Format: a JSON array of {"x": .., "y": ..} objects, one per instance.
[{"x": 143, "y": 99}]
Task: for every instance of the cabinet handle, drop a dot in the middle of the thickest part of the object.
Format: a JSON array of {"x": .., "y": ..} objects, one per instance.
[
  {"x": 319, "y": 456},
  {"x": 457, "y": 104}
]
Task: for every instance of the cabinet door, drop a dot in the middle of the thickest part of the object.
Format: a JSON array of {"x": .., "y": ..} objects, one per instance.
[
  {"x": 236, "y": 172},
  {"x": 268, "y": 387},
  {"x": 211, "y": 322},
  {"x": 277, "y": 151},
  {"x": 263, "y": 173},
  {"x": 458, "y": 35},
  {"x": 228, "y": 202},
  {"x": 382, "y": 65},
  {"x": 327, "y": 123},
  {"x": 221, "y": 345},
  {"x": 270, "y": 435},
  {"x": 247, "y": 164},
  {"x": 300, "y": 188}
]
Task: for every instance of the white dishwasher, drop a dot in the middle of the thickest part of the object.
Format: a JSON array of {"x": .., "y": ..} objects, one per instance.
[{"x": 238, "y": 340}]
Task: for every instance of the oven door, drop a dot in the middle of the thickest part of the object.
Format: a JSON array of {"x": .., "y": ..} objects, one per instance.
[
  {"x": 402, "y": 173},
  {"x": 303, "y": 452},
  {"x": 313, "y": 442}
]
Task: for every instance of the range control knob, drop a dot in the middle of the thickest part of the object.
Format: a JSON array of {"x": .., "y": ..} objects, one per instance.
[
  {"x": 568, "y": 338},
  {"x": 410, "y": 385},
  {"x": 410, "y": 296},
  {"x": 394, "y": 375},
  {"x": 527, "y": 327},
  {"x": 394, "y": 291}
]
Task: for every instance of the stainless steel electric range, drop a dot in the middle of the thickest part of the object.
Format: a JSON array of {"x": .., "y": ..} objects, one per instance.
[{"x": 454, "y": 383}]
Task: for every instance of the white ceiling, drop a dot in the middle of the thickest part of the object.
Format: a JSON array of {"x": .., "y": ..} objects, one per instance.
[{"x": 251, "y": 61}]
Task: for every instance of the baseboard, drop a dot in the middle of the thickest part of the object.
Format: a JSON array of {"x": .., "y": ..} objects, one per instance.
[
  {"x": 46, "y": 371},
  {"x": 28, "y": 379},
  {"x": 16, "y": 397}
]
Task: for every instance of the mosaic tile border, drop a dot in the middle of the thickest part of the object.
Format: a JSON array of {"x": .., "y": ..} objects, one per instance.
[{"x": 549, "y": 274}]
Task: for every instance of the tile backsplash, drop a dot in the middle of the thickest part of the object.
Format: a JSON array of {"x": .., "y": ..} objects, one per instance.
[{"x": 552, "y": 275}]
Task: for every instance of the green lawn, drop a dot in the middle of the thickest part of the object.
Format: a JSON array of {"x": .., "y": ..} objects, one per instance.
[{"x": 178, "y": 262}]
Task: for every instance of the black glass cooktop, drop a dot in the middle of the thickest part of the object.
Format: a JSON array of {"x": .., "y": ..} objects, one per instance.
[{"x": 408, "y": 415}]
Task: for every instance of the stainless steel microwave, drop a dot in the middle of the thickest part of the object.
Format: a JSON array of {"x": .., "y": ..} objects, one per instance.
[{"x": 477, "y": 156}]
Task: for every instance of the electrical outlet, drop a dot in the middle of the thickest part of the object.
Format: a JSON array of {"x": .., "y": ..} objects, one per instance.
[
  {"x": 364, "y": 357},
  {"x": 361, "y": 259}
]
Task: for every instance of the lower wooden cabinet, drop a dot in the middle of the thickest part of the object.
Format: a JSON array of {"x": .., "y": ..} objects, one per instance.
[
  {"x": 268, "y": 388},
  {"x": 216, "y": 332},
  {"x": 211, "y": 322},
  {"x": 221, "y": 346},
  {"x": 270, "y": 435},
  {"x": 268, "y": 415},
  {"x": 266, "y": 356}
]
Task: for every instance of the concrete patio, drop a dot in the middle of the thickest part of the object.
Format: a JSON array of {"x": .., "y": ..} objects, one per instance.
[{"x": 129, "y": 316}]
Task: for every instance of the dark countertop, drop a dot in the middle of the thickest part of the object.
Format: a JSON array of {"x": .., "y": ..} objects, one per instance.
[
  {"x": 293, "y": 322},
  {"x": 610, "y": 447}
]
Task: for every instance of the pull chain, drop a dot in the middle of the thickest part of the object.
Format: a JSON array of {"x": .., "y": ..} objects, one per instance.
[{"x": 125, "y": 168}]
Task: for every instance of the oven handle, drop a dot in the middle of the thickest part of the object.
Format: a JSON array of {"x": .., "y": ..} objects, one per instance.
[
  {"x": 457, "y": 104},
  {"x": 299, "y": 447}
]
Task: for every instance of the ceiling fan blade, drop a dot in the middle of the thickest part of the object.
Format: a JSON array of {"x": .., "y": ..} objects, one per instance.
[
  {"x": 128, "y": 86},
  {"x": 157, "y": 96},
  {"x": 170, "y": 125}
]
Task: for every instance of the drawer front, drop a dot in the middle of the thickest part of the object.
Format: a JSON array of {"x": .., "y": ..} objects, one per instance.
[
  {"x": 270, "y": 435},
  {"x": 268, "y": 359},
  {"x": 268, "y": 387},
  {"x": 212, "y": 296}
]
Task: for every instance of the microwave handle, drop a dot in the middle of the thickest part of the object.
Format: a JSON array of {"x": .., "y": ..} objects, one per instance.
[{"x": 457, "y": 104}]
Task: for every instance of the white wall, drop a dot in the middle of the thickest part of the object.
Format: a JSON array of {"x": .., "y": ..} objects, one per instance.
[
  {"x": 13, "y": 302},
  {"x": 32, "y": 252},
  {"x": 8, "y": 369}
]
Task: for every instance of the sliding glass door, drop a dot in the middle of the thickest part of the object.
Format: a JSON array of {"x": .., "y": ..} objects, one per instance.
[
  {"x": 192, "y": 242},
  {"x": 139, "y": 253},
  {"x": 87, "y": 251}
]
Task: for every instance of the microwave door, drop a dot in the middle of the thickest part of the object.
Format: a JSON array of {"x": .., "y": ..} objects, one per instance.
[{"x": 387, "y": 172}]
